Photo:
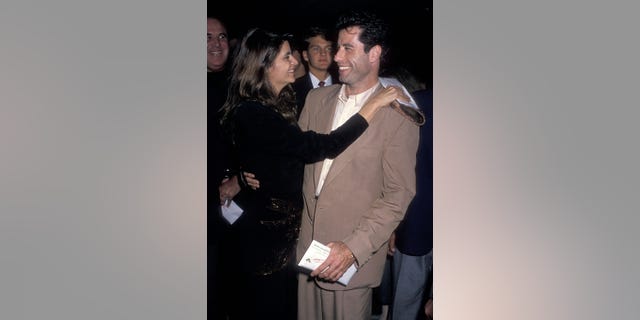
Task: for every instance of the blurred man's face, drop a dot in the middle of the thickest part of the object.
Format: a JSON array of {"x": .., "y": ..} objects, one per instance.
[
  {"x": 217, "y": 45},
  {"x": 319, "y": 54}
]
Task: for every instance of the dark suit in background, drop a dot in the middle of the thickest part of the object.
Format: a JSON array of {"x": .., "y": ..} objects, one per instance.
[
  {"x": 317, "y": 49},
  {"x": 413, "y": 260},
  {"x": 303, "y": 85}
]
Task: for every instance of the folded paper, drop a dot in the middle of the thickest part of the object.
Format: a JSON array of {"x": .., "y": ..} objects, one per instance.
[
  {"x": 317, "y": 254},
  {"x": 232, "y": 212}
]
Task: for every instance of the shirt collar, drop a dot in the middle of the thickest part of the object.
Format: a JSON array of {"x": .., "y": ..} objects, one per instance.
[
  {"x": 360, "y": 97},
  {"x": 314, "y": 80}
]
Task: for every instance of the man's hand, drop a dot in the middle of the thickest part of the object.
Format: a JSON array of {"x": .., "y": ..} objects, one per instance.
[
  {"x": 392, "y": 244},
  {"x": 428, "y": 309},
  {"x": 228, "y": 189},
  {"x": 339, "y": 260}
]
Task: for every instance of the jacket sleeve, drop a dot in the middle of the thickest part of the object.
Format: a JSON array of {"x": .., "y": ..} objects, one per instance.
[
  {"x": 267, "y": 129},
  {"x": 398, "y": 189}
]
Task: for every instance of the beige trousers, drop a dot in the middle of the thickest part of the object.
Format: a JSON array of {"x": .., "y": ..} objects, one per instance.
[{"x": 315, "y": 303}]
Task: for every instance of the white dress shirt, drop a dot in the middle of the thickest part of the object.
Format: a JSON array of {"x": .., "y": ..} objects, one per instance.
[{"x": 314, "y": 81}]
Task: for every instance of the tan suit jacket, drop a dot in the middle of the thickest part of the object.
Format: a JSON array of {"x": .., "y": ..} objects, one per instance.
[{"x": 367, "y": 190}]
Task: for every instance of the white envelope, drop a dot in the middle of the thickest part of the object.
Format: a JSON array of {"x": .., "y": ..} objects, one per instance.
[
  {"x": 232, "y": 212},
  {"x": 317, "y": 254}
]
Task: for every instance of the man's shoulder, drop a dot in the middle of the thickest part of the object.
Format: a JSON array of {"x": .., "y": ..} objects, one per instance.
[
  {"x": 297, "y": 82},
  {"x": 302, "y": 83},
  {"x": 325, "y": 92},
  {"x": 318, "y": 96},
  {"x": 390, "y": 115},
  {"x": 390, "y": 122}
]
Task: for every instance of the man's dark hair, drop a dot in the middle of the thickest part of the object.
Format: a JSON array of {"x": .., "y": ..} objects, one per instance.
[
  {"x": 313, "y": 32},
  {"x": 374, "y": 30}
]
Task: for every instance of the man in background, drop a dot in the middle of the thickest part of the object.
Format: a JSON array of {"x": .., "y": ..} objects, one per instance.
[{"x": 317, "y": 53}]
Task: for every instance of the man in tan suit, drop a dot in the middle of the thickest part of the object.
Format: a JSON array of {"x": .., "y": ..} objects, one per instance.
[{"x": 355, "y": 201}]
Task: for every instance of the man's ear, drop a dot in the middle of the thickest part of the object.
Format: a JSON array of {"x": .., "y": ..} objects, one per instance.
[
  {"x": 374, "y": 53},
  {"x": 305, "y": 55}
]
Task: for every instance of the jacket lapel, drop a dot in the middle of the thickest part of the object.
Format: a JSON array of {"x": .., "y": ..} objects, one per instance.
[
  {"x": 324, "y": 119},
  {"x": 341, "y": 161}
]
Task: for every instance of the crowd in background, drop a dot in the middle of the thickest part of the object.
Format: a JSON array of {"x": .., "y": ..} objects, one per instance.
[{"x": 301, "y": 138}]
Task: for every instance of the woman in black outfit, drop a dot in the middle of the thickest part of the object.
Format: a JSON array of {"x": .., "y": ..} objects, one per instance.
[{"x": 259, "y": 117}]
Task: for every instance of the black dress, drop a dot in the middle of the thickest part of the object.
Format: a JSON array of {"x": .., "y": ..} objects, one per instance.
[{"x": 258, "y": 258}]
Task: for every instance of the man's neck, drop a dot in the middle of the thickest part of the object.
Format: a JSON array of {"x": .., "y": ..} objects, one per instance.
[{"x": 361, "y": 86}]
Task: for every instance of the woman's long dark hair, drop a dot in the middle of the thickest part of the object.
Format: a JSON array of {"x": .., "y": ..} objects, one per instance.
[{"x": 249, "y": 82}]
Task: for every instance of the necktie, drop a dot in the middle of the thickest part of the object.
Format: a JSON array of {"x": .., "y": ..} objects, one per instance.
[{"x": 321, "y": 84}]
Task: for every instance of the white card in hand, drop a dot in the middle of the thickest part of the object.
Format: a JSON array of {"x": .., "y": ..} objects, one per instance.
[
  {"x": 317, "y": 254},
  {"x": 232, "y": 212}
]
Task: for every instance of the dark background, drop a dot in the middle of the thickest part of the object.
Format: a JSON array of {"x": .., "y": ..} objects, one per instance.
[{"x": 411, "y": 23}]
